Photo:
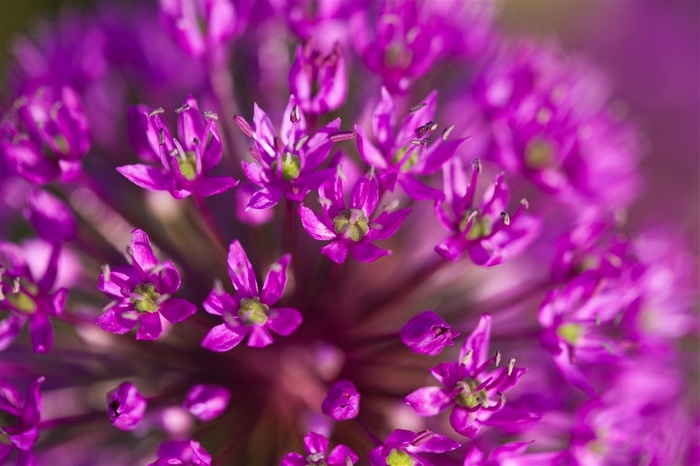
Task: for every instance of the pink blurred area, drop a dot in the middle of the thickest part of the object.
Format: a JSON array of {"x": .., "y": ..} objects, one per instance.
[{"x": 651, "y": 50}]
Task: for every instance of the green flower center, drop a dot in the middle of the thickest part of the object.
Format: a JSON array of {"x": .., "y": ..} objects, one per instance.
[
  {"x": 253, "y": 312},
  {"x": 539, "y": 154},
  {"x": 399, "y": 458},
  {"x": 291, "y": 166},
  {"x": 352, "y": 224},
  {"x": 408, "y": 164},
  {"x": 146, "y": 299},
  {"x": 571, "y": 333},
  {"x": 470, "y": 398},
  {"x": 480, "y": 227},
  {"x": 22, "y": 296},
  {"x": 317, "y": 459},
  {"x": 188, "y": 166}
]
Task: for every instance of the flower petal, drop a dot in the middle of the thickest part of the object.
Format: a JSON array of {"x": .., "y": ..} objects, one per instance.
[
  {"x": 429, "y": 401},
  {"x": 241, "y": 271},
  {"x": 145, "y": 176},
  {"x": 284, "y": 320},
  {"x": 259, "y": 337},
  {"x": 314, "y": 226},
  {"x": 142, "y": 252},
  {"x": 276, "y": 280},
  {"x": 336, "y": 251},
  {"x": 367, "y": 252},
  {"x": 176, "y": 310},
  {"x": 222, "y": 338}
]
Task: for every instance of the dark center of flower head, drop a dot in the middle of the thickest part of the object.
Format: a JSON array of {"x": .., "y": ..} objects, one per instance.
[
  {"x": 468, "y": 397},
  {"x": 22, "y": 295},
  {"x": 145, "y": 298},
  {"x": 539, "y": 153},
  {"x": 316, "y": 459},
  {"x": 253, "y": 312},
  {"x": 352, "y": 224},
  {"x": 398, "y": 457},
  {"x": 188, "y": 166},
  {"x": 291, "y": 166},
  {"x": 6, "y": 420}
]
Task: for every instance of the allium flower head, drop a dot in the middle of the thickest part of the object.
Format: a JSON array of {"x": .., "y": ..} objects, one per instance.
[
  {"x": 342, "y": 401},
  {"x": 248, "y": 312},
  {"x": 142, "y": 293}
]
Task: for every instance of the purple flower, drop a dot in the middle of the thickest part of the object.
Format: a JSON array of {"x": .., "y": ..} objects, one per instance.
[
  {"x": 485, "y": 231},
  {"x": 44, "y": 135},
  {"x": 403, "y": 153},
  {"x": 473, "y": 391},
  {"x": 183, "y": 452},
  {"x": 286, "y": 166},
  {"x": 427, "y": 333},
  {"x": 51, "y": 218},
  {"x": 319, "y": 82},
  {"x": 19, "y": 421},
  {"x": 316, "y": 446},
  {"x": 125, "y": 406},
  {"x": 402, "y": 446},
  {"x": 184, "y": 162},
  {"x": 207, "y": 402},
  {"x": 351, "y": 229},
  {"x": 342, "y": 401},
  {"x": 27, "y": 299},
  {"x": 249, "y": 311},
  {"x": 142, "y": 293},
  {"x": 200, "y": 26}
]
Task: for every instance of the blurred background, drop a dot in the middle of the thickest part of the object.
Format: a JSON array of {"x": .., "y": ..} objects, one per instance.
[{"x": 650, "y": 48}]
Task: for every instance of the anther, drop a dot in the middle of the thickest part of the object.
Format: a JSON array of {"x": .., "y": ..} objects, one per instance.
[
  {"x": 467, "y": 357},
  {"x": 524, "y": 203},
  {"x": 498, "y": 358},
  {"x": 301, "y": 142},
  {"x": 209, "y": 115},
  {"x": 511, "y": 365},
  {"x": 184, "y": 108},
  {"x": 415, "y": 108},
  {"x": 416, "y": 142},
  {"x": 425, "y": 141},
  {"x": 161, "y": 136},
  {"x": 15, "y": 285},
  {"x": 446, "y": 132},
  {"x": 243, "y": 125},
  {"x": 295, "y": 115},
  {"x": 506, "y": 218},
  {"x": 158, "y": 111},
  {"x": 107, "y": 272},
  {"x": 477, "y": 165}
]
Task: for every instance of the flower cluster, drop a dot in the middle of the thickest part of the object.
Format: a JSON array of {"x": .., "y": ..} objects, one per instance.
[{"x": 223, "y": 284}]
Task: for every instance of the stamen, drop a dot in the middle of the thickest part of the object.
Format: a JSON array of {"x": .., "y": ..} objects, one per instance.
[
  {"x": 391, "y": 206},
  {"x": 498, "y": 358},
  {"x": 161, "y": 136},
  {"x": 15, "y": 285},
  {"x": 477, "y": 165},
  {"x": 425, "y": 141},
  {"x": 301, "y": 142},
  {"x": 511, "y": 365},
  {"x": 209, "y": 115},
  {"x": 107, "y": 272},
  {"x": 422, "y": 437},
  {"x": 415, "y": 108},
  {"x": 524, "y": 203},
  {"x": 467, "y": 357},
  {"x": 243, "y": 125},
  {"x": 342, "y": 136},
  {"x": 157, "y": 111},
  {"x": 109, "y": 305},
  {"x": 184, "y": 108}
]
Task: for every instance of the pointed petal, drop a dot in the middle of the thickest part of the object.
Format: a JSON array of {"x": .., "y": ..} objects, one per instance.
[
  {"x": 221, "y": 338},
  {"x": 407, "y": 131},
  {"x": 436, "y": 156},
  {"x": 478, "y": 341},
  {"x": 365, "y": 194},
  {"x": 331, "y": 196},
  {"x": 418, "y": 190},
  {"x": 451, "y": 248},
  {"x": 284, "y": 320},
  {"x": 367, "y": 252},
  {"x": 241, "y": 271},
  {"x": 142, "y": 252},
  {"x": 151, "y": 327},
  {"x": 336, "y": 251},
  {"x": 211, "y": 185},
  {"x": 446, "y": 373},
  {"x": 219, "y": 302},
  {"x": 387, "y": 223},
  {"x": 292, "y": 132},
  {"x": 265, "y": 198},
  {"x": 314, "y": 226},
  {"x": 384, "y": 121},
  {"x": 259, "y": 337},
  {"x": 113, "y": 320},
  {"x": 10, "y": 327},
  {"x": 176, "y": 309},
  {"x": 315, "y": 443},
  {"x": 276, "y": 280},
  {"x": 429, "y": 401},
  {"x": 145, "y": 176},
  {"x": 464, "y": 422},
  {"x": 368, "y": 152}
]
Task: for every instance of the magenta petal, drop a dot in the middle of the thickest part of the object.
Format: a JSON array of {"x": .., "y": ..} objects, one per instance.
[
  {"x": 451, "y": 248},
  {"x": 315, "y": 443},
  {"x": 387, "y": 223},
  {"x": 293, "y": 459},
  {"x": 125, "y": 406},
  {"x": 207, "y": 402},
  {"x": 314, "y": 225},
  {"x": 219, "y": 302},
  {"x": 112, "y": 320},
  {"x": 367, "y": 252},
  {"x": 176, "y": 309},
  {"x": 145, "y": 176},
  {"x": 151, "y": 327},
  {"x": 211, "y": 185},
  {"x": 142, "y": 252},
  {"x": 331, "y": 196},
  {"x": 365, "y": 194},
  {"x": 259, "y": 337},
  {"x": 41, "y": 333},
  {"x": 464, "y": 422},
  {"x": 221, "y": 338},
  {"x": 265, "y": 198},
  {"x": 336, "y": 251},
  {"x": 341, "y": 455},
  {"x": 276, "y": 279},
  {"x": 438, "y": 444},
  {"x": 428, "y": 401},
  {"x": 168, "y": 278},
  {"x": 446, "y": 373},
  {"x": 368, "y": 152},
  {"x": 241, "y": 271},
  {"x": 418, "y": 190},
  {"x": 284, "y": 320},
  {"x": 478, "y": 342},
  {"x": 10, "y": 327}
]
